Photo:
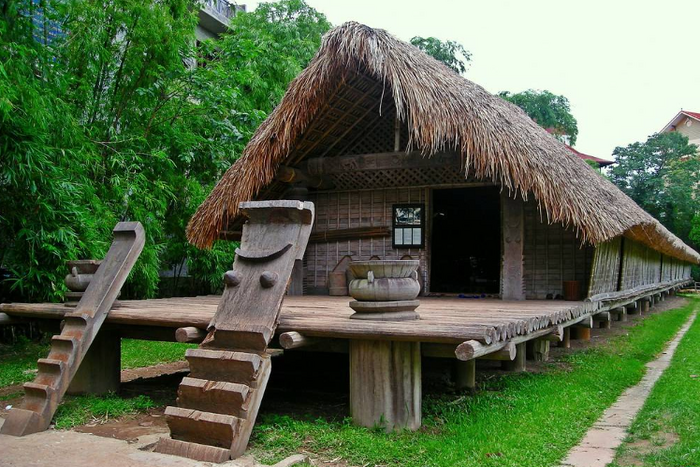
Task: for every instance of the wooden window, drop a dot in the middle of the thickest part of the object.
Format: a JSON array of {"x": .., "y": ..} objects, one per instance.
[{"x": 408, "y": 226}]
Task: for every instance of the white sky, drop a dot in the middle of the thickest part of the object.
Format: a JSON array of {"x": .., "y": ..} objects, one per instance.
[{"x": 627, "y": 67}]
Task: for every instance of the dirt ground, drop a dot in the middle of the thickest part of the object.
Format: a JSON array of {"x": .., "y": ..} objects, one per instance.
[{"x": 303, "y": 384}]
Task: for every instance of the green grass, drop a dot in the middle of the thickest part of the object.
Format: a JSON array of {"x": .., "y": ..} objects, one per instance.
[
  {"x": 668, "y": 427},
  {"x": 137, "y": 353},
  {"x": 519, "y": 420},
  {"x": 80, "y": 410},
  {"x": 18, "y": 361}
]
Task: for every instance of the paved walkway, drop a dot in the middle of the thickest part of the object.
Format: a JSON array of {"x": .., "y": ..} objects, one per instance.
[
  {"x": 72, "y": 449},
  {"x": 598, "y": 447}
]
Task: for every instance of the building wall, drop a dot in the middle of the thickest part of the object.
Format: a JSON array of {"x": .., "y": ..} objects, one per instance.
[
  {"x": 692, "y": 131},
  {"x": 366, "y": 208},
  {"x": 552, "y": 255}
]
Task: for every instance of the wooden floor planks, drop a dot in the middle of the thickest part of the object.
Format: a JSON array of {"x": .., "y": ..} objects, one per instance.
[{"x": 443, "y": 319}]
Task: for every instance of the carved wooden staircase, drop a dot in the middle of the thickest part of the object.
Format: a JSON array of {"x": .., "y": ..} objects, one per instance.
[
  {"x": 219, "y": 400},
  {"x": 80, "y": 327}
]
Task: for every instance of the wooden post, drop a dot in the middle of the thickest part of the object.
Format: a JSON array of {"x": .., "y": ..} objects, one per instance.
[
  {"x": 540, "y": 350},
  {"x": 645, "y": 306},
  {"x": 465, "y": 374},
  {"x": 385, "y": 384},
  {"x": 519, "y": 363},
  {"x": 100, "y": 370},
  {"x": 566, "y": 341},
  {"x": 512, "y": 263},
  {"x": 603, "y": 319},
  {"x": 581, "y": 333}
]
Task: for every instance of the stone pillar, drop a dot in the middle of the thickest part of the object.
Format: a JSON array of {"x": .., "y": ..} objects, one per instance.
[
  {"x": 385, "y": 384},
  {"x": 512, "y": 262},
  {"x": 100, "y": 370}
]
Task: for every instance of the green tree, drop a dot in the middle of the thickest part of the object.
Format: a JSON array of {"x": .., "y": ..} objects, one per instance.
[
  {"x": 107, "y": 122},
  {"x": 662, "y": 176},
  {"x": 451, "y": 53},
  {"x": 549, "y": 110}
]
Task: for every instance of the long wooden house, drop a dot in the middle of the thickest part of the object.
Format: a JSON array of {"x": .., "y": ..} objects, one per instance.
[{"x": 404, "y": 158}]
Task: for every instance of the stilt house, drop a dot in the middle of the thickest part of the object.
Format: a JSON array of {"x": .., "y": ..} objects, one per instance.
[{"x": 404, "y": 158}]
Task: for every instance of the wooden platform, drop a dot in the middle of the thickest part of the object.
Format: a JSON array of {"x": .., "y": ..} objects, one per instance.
[{"x": 443, "y": 320}]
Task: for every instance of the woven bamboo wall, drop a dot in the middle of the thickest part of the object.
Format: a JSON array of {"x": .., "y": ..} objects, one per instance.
[
  {"x": 552, "y": 254},
  {"x": 605, "y": 272},
  {"x": 350, "y": 209},
  {"x": 639, "y": 267}
]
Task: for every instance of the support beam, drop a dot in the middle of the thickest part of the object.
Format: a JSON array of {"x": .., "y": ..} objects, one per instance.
[
  {"x": 294, "y": 340},
  {"x": 100, "y": 370},
  {"x": 465, "y": 374},
  {"x": 385, "y": 384},
  {"x": 540, "y": 350},
  {"x": 190, "y": 335},
  {"x": 379, "y": 161},
  {"x": 519, "y": 363},
  {"x": 566, "y": 340},
  {"x": 295, "y": 175},
  {"x": 557, "y": 335},
  {"x": 603, "y": 320},
  {"x": 581, "y": 333},
  {"x": 512, "y": 269},
  {"x": 507, "y": 353}
]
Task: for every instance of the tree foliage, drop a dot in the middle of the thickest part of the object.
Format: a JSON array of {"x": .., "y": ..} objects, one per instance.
[
  {"x": 549, "y": 110},
  {"x": 662, "y": 175},
  {"x": 108, "y": 122},
  {"x": 451, "y": 53}
]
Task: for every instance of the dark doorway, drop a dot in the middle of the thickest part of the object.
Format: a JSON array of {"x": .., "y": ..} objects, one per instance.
[{"x": 466, "y": 241}]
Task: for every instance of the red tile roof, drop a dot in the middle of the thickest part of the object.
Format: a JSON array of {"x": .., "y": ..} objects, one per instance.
[{"x": 601, "y": 162}]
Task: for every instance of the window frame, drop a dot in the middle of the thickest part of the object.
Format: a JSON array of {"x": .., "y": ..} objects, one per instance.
[{"x": 395, "y": 225}]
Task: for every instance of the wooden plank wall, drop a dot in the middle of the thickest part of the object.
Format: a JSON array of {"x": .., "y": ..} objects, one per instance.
[
  {"x": 552, "y": 254},
  {"x": 366, "y": 208}
]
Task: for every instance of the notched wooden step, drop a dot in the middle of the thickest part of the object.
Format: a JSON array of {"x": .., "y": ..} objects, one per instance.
[
  {"x": 63, "y": 348},
  {"x": 251, "y": 338},
  {"x": 214, "y": 396},
  {"x": 50, "y": 366},
  {"x": 199, "y": 452},
  {"x": 201, "y": 427},
  {"x": 36, "y": 396},
  {"x": 223, "y": 365}
]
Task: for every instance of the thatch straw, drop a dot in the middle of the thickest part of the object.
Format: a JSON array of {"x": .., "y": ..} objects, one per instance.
[{"x": 443, "y": 111}]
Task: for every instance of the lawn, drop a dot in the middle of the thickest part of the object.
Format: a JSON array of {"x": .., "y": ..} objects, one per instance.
[
  {"x": 667, "y": 431},
  {"x": 519, "y": 420}
]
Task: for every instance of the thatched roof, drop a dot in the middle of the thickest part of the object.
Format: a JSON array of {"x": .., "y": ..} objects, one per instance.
[{"x": 443, "y": 112}]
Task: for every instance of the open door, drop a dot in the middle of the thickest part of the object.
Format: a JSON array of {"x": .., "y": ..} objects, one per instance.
[{"x": 466, "y": 241}]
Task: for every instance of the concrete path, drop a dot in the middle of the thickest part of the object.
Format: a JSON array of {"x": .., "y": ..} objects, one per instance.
[
  {"x": 598, "y": 447},
  {"x": 73, "y": 449}
]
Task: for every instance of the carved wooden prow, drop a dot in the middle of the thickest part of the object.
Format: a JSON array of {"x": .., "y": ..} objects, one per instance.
[
  {"x": 80, "y": 329},
  {"x": 219, "y": 400}
]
